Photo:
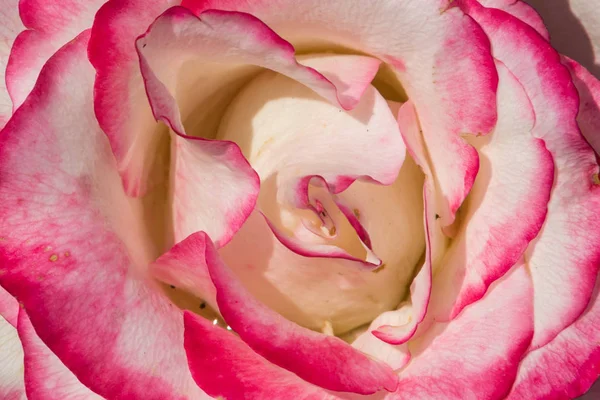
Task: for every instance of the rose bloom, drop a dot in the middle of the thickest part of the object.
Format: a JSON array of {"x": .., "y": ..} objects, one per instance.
[{"x": 332, "y": 199}]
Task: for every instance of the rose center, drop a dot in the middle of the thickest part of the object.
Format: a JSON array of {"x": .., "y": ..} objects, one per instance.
[{"x": 270, "y": 120}]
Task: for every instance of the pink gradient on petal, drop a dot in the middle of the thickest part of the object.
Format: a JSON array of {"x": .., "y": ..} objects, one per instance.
[
  {"x": 46, "y": 377},
  {"x": 322, "y": 360},
  {"x": 223, "y": 365},
  {"x": 563, "y": 279}
]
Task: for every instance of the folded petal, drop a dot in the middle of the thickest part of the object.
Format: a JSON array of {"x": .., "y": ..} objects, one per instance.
[
  {"x": 46, "y": 377},
  {"x": 223, "y": 365},
  {"x": 306, "y": 151},
  {"x": 564, "y": 258},
  {"x": 10, "y": 28},
  {"x": 567, "y": 366},
  {"x": 506, "y": 208},
  {"x": 325, "y": 361},
  {"x": 11, "y": 367},
  {"x": 476, "y": 355},
  {"x": 437, "y": 42},
  {"x": 74, "y": 249},
  {"x": 49, "y": 25}
]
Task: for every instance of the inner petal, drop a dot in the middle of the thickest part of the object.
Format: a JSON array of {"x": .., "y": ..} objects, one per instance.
[{"x": 308, "y": 154}]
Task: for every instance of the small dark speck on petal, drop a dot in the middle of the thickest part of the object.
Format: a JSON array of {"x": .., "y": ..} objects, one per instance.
[
  {"x": 172, "y": 287},
  {"x": 203, "y": 305},
  {"x": 437, "y": 216}
]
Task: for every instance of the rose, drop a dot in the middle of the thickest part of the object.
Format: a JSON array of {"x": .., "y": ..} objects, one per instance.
[{"x": 502, "y": 305}]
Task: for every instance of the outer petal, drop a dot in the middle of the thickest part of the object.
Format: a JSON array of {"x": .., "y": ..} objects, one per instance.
[
  {"x": 73, "y": 253},
  {"x": 322, "y": 360},
  {"x": 506, "y": 208},
  {"x": 476, "y": 355},
  {"x": 588, "y": 88},
  {"x": 9, "y": 29},
  {"x": 567, "y": 366},
  {"x": 521, "y": 10},
  {"x": 49, "y": 26},
  {"x": 564, "y": 259},
  {"x": 11, "y": 367},
  {"x": 120, "y": 102},
  {"x": 574, "y": 28},
  {"x": 46, "y": 377},
  {"x": 437, "y": 42},
  {"x": 223, "y": 365}
]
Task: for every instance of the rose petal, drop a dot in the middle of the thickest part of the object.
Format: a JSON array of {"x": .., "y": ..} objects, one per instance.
[
  {"x": 223, "y": 365},
  {"x": 506, "y": 208},
  {"x": 46, "y": 377},
  {"x": 11, "y": 367},
  {"x": 564, "y": 258},
  {"x": 10, "y": 28},
  {"x": 49, "y": 26},
  {"x": 442, "y": 43},
  {"x": 296, "y": 141},
  {"x": 588, "y": 88},
  {"x": 325, "y": 361},
  {"x": 74, "y": 249},
  {"x": 567, "y": 366},
  {"x": 120, "y": 102},
  {"x": 475, "y": 356},
  {"x": 521, "y": 10},
  {"x": 9, "y": 307}
]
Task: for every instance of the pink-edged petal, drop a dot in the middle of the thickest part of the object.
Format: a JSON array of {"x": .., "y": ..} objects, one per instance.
[
  {"x": 177, "y": 267},
  {"x": 120, "y": 101},
  {"x": 420, "y": 288},
  {"x": 49, "y": 25},
  {"x": 74, "y": 251},
  {"x": 475, "y": 356},
  {"x": 325, "y": 361},
  {"x": 588, "y": 88},
  {"x": 9, "y": 29},
  {"x": 436, "y": 42},
  {"x": 564, "y": 258},
  {"x": 9, "y": 307},
  {"x": 46, "y": 377},
  {"x": 568, "y": 365},
  {"x": 394, "y": 328},
  {"x": 12, "y": 386},
  {"x": 306, "y": 151},
  {"x": 223, "y": 365},
  {"x": 521, "y": 10},
  {"x": 506, "y": 208},
  {"x": 214, "y": 189}
]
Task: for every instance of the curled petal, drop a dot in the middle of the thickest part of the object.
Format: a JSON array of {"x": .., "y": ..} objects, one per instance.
[
  {"x": 223, "y": 365},
  {"x": 319, "y": 359},
  {"x": 74, "y": 251},
  {"x": 476, "y": 355},
  {"x": 506, "y": 208},
  {"x": 49, "y": 26},
  {"x": 564, "y": 258}
]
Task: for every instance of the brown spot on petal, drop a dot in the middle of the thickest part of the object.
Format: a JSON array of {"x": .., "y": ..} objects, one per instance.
[
  {"x": 53, "y": 258},
  {"x": 596, "y": 179}
]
